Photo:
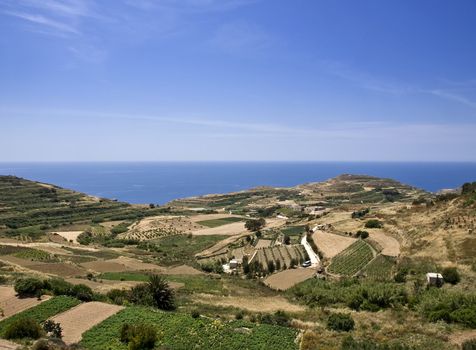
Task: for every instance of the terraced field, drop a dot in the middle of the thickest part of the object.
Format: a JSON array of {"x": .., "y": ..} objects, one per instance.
[
  {"x": 351, "y": 260},
  {"x": 380, "y": 268},
  {"x": 181, "y": 331},
  {"x": 284, "y": 254}
]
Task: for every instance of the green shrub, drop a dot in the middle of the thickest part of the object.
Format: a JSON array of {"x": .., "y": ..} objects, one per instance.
[
  {"x": 451, "y": 275},
  {"x": 82, "y": 292},
  {"x": 29, "y": 287},
  {"x": 469, "y": 345},
  {"x": 340, "y": 322},
  {"x": 23, "y": 328},
  {"x": 373, "y": 223},
  {"x": 58, "y": 286},
  {"x": 195, "y": 314},
  {"x": 118, "y": 296},
  {"x": 138, "y": 337}
]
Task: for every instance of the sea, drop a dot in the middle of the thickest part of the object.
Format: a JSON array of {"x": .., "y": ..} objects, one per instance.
[{"x": 161, "y": 182}]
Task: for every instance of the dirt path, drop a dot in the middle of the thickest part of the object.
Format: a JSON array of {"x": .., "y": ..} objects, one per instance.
[
  {"x": 462, "y": 336},
  {"x": 286, "y": 279},
  {"x": 79, "y": 319},
  {"x": 10, "y": 304},
  {"x": 255, "y": 304},
  {"x": 8, "y": 345}
]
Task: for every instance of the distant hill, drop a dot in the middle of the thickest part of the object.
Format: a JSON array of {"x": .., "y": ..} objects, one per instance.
[{"x": 29, "y": 207}]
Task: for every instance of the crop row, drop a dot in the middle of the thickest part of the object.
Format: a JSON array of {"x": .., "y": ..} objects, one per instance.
[{"x": 351, "y": 260}]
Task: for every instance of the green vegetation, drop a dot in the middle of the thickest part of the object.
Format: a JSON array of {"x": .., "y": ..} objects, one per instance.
[
  {"x": 340, "y": 322},
  {"x": 41, "y": 312},
  {"x": 219, "y": 222},
  {"x": 360, "y": 213},
  {"x": 255, "y": 224},
  {"x": 451, "y": 275},
  {"x": 182, "y": 331},
  {"x": 27, "y": 287},
  {"x": 192, "y": 283},
  {"x": 31, "y": 208},
  {"x": 469, "y": 345},
  {"x": 138, "y": 337},
  {"x": 358, "y": 295},
  {"x": 23, "y": 328},
  {"x": 350, "y": 343},
  {"x": 373, "y": 223},
  {"x": 27, "y": 253},
  {"x": 381, "y": 268},
  {"x": 178, "y": 249},
  {"x": 352, "y": 259},
  {"x": 449, "y": 306},
  {"x": 294, "y": 230}
]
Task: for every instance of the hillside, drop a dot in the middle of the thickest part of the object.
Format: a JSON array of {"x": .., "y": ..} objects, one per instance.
[
  {"x": 237, "y": 265},
  {"x": 30, "y": 208}
]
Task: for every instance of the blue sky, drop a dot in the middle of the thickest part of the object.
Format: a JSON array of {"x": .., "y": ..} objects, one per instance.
[{"x": 141, "y": 80}]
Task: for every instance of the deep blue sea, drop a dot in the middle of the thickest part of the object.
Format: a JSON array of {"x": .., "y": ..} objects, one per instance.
[{"x": 160, "y": 182}]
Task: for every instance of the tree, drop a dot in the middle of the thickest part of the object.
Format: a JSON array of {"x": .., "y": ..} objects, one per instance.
[
  {"x": 23, "y": 328},
  {"x": 162, "y": 294},
  {"x": 28, "y": 286},
  {"x": 138, "y": 337},
  {"x": 54, "y": 328},
  {"x": 255, "y": 224},
  {"x": 287, "y": 239}
]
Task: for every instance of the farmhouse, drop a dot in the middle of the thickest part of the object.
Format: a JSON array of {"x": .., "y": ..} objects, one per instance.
[{"x": 434, "y": 279}]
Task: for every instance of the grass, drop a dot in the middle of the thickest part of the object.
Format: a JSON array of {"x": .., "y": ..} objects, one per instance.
[
  {"x": 179, "y": 249},
  {"x": 219, "y": 222},
  {"x": 352, "y": 259},
  {"x": 43, "y": 311},
  {"x": 380, "y": 268},
  {"x": 181, "y": 331},
  {"x": 192, "y": 283}
]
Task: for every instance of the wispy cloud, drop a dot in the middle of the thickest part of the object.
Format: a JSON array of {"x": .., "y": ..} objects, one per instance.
[
  {"x": 241, "y": 37},
  {"x": 44, "y": 21},
  {"x": 452, "y": 97}
]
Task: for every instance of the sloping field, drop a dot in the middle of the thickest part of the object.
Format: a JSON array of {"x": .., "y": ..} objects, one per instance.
[
  {"x": 286, "y": 279},
  {"x": 352, "y": 260},
  {"x": 390, "y": 245},
  {"x": 79, "y": 319},
  {"x": 263, "y": 243},
  {"x": 225, "y": 230},
  {"x": 380, "y": 268},
  {"x": 105, "y": 266},
  {"x": 41, "y": 312},
  {"x": 181, "y": 331},
  {"x": 10, "y": 304},
  {"x": 255, "y": 304},
  {"x": 331, "y": 244},
  {"x": 69, "y": 235}
]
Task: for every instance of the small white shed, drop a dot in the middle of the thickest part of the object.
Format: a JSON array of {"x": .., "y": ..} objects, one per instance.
[{"x": 434, "y": 279}]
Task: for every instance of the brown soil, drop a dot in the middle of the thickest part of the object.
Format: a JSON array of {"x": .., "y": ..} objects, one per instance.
[
  {"x": 182, "y": 270},
  {"x": 79, "y": 319},
  {"x": 8, "y": 345},
  {"x": 135, "y": 264},
  {"x": 390, "y": 245},
  {"x": 10, "y": 304},
  {"x": 286, "y": 279},
  {"x": 331, "y": 244},
  {"x": 105, "y": 266}
]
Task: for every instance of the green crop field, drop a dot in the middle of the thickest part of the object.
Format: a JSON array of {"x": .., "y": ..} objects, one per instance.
[
  {"x": 380, "y": 268},
  {"x": 293, "y": 230},
  {"x": 351, "y": 260},
  {"x": 219, "y": 222},
  {"x": 43, "y": 311},
  {"x": 181, "y": 331}
]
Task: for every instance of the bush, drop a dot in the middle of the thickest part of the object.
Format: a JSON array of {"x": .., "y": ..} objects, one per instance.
[
  {"x": 138, "y": 337},
  {"x": 58, "y": 286},
  {"x": 340, "y": 322},
  {"x": 23, "y": 328},
  {"x": 255, "y": 225},
  {"x": 195, "y": 314},
  {"x": 451, "y": 275},
  {"x": 118, "y": 296},
  {"x": 469, "y": 345},
  {"x": 82, "y": 292},
  {"x": 53, "y": 328},
  {"x": 373, "y": 223},
  {"x": 362, "y": 234},
  {"x": 29, "y": 287}
]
